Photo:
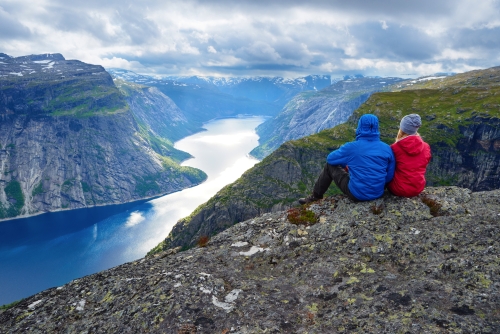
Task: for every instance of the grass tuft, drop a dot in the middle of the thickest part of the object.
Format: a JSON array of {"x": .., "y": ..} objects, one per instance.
[
  {"x": 377, "y": 209},
  {"x": 301, "y": 216},
  {"x": 203, "y": 241},
  {"x": 433, "y": 205}
]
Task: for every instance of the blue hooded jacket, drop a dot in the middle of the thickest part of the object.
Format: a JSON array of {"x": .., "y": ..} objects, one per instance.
[{"x": 371, "y": 162}]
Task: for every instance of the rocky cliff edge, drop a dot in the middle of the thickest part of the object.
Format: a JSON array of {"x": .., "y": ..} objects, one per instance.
[{"x": 428, "y": 264}]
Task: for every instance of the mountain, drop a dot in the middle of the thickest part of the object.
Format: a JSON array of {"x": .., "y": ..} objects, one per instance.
[
  {"x": 156, "y": 112},
  {"x": 461, "y": 122},
  {"x": 427, "y": 264},
  {"x": 69, "y": 139},
  {"x": 276, "y": 90},
  {"x": 200, "y": 101},
  {"x": 310, "y": 112}
]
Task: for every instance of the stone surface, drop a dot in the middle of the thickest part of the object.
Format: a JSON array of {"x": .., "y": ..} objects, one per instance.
[{"x": 385, "y": 266}]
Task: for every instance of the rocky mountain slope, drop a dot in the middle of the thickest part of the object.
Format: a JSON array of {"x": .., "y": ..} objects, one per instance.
[
  {"x": 156, "y": 110},
  {"x": 68, "y": 139},
  {"x": 422, "y": 265},
  {"x": 461, "y": 122},
  {"x": 310, "y": 112}
]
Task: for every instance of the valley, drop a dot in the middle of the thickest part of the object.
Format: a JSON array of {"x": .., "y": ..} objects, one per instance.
[{"x": 74, "y": 136}]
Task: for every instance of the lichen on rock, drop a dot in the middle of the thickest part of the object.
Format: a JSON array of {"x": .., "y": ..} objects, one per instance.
[{"x": 397, "y": 270}]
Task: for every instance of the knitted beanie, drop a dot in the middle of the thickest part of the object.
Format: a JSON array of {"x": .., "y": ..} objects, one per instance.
[{"x": 410, "y": 124}]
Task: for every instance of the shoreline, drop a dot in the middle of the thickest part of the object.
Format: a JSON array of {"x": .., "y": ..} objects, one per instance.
[{"x": 137, "y": 201}]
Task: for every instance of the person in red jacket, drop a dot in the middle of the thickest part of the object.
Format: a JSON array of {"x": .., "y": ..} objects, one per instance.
[{"x": 412, "y": 156}]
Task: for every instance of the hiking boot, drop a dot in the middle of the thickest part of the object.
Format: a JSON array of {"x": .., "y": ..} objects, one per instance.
[{"x": 308, "y": 200}]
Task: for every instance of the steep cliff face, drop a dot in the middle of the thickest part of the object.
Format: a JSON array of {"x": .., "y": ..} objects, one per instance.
[
  {"x": 69, "y": 140},
  {"x": 476, "y": 160},
  {"x": 394, "y": 265},
  {"x": 156, "y": 111},
  {"x": 310, "y": 112},
  {"x": 460, "y": 123}
]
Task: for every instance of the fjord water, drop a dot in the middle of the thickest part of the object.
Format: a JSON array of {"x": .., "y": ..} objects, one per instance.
[{"x": 49, "y": 250}]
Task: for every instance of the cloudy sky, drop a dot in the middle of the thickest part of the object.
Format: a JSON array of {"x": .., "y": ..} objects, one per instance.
[{"x": 260, "y": 37}]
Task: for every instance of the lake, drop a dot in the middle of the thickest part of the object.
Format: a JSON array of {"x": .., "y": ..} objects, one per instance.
[{"x": 51, "y": 249}]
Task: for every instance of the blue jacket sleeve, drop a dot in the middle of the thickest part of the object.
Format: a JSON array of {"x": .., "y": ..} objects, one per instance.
[
  {"x": 339, "y": 156},
  {"x": 390, "y": 168}
]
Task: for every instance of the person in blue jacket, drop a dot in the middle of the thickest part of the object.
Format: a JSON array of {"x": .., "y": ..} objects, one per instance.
[{"x": 369, "y": 162}]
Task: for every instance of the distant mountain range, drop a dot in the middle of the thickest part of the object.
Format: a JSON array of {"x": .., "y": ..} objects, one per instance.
[
  {"x": 276, "y": 90},
  {"x": 204, "y": 98}
]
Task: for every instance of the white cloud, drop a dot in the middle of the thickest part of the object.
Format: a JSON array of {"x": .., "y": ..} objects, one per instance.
[{"x": 258, "y": 37}]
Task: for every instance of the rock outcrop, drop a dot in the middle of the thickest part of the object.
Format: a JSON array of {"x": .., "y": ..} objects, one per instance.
[
  {"x": 428, "y": 264},
  {"x": 68, "y": 139}
]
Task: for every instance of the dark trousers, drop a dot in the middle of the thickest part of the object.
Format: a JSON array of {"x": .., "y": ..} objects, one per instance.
[{"x": 332, "y": 173}]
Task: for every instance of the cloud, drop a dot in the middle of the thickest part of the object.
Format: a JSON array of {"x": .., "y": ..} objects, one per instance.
[
  {"x": 257, "y": 37},
  {"x": 11, "y": 28}
]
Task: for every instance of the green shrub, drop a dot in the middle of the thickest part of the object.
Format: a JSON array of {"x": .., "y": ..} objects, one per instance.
[
  {"x": 301, "y": 216},
  {"x": 13, "y": 191},
  {"x": 37, "y": 190},
  {"x": 85, "y": 187},
  {"x": 8, "y": 306}
]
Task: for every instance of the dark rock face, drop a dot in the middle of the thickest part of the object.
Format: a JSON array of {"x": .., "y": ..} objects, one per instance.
[
  {"x": 400, "y": 269},
  {"x": 68, "y": 139},
  {"x": 66, "y": 162},
  {"x": 480, "y": 148}
]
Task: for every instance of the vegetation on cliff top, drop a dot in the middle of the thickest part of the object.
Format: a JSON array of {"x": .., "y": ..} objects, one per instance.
[{"x": 58, "y": 88}]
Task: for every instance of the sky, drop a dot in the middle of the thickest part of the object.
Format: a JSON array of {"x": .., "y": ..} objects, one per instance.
[{"x": 289, "y": 38}]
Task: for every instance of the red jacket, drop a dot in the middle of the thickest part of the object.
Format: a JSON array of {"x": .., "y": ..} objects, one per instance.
[{"x": 412, "y": 156}]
